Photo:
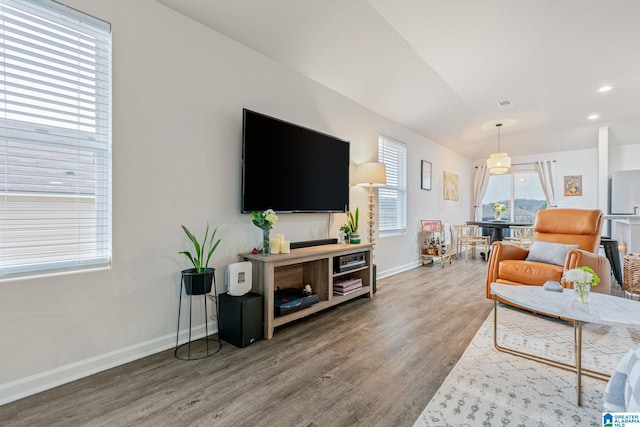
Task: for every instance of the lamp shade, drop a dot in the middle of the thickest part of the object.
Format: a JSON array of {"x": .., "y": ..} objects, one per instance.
[
  {"x": 373, "y": 174},
  {"x": 499, "y": 163}
]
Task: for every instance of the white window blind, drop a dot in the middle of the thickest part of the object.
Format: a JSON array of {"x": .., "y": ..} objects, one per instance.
[
  {"x": 392, "y": 198},
  {"x": 55, "y": 139}
]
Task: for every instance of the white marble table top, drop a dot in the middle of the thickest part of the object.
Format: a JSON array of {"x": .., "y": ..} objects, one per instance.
[{"x": 602, "y": 309}]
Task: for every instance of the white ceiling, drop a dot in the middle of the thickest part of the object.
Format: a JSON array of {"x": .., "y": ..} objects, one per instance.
[{"x": 441, "y": 67}]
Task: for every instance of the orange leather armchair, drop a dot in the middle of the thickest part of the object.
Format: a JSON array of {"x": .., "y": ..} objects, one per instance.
[{"x": 508, "y": 263}]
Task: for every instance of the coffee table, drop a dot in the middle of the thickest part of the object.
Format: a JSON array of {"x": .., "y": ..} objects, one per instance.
[{"x": 603, "y": 309}]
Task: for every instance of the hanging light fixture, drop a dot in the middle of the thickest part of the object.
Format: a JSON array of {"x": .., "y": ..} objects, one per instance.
[{"x": 498, "y": 163}]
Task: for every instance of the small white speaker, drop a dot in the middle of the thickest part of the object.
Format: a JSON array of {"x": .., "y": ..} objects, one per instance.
[{"x": 237, "y": 278}]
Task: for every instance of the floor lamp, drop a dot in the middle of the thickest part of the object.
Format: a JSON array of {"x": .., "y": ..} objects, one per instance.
[{"x": 372, "y": 175}]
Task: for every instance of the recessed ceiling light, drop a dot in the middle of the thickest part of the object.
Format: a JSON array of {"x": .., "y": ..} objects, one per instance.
[
  {"x": 605, "y": 89},
  {"x": 593, "y": 117}
]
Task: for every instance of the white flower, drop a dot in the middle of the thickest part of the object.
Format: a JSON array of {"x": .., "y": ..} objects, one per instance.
[
  {"x": 577, "y": 275},
  {"x": 271, "y": 217}
]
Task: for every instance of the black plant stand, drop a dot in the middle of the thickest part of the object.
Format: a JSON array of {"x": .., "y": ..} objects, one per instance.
[{"x": 208, "y": 350}]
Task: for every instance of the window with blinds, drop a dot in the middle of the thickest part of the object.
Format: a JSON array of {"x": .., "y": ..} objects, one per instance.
[
  {"x": 392, "y": 198},
  {"x": 55, "y": 139}
]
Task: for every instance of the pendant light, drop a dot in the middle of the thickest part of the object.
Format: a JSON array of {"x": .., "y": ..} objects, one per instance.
[{"x": 498, "y": 163}]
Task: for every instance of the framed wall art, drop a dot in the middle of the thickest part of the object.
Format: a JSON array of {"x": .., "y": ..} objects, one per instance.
[
  {"x": 573, "y": 185},
  {"x": 425, "y": 182},
  {"x": 450, "y": 186}
]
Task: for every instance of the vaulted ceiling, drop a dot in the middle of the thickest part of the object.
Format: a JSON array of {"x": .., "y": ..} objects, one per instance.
[{"x": 442, "y": 68}]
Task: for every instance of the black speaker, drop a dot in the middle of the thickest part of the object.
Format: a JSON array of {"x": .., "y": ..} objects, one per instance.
[{"x": 241, "y": 319}]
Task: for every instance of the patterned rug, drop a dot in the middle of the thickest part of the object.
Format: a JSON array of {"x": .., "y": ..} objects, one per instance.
[{"x": 491, "y": 388}]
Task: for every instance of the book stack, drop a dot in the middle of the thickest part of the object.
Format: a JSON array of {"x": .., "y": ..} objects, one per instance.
[{"x": 346, "y": 287}]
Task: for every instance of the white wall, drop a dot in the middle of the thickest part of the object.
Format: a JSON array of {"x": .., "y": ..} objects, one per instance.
[
  {"x": 574, "y": 162},
  {"x": 397, "y": 253},
  {"x": 178, "y": 91},
  {"x": 624, "y": 157}
]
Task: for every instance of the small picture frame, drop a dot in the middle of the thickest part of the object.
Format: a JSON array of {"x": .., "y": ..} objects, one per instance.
[
  {"x": 573, "y": 185},
  {"x": 425, "y": 182}
]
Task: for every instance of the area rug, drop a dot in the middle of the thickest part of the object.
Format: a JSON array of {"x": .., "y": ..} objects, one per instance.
[{"x": 490, "y": 388}]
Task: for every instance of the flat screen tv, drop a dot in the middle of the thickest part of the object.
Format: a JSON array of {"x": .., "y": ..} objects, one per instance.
[{"x": 289, "y": 168}]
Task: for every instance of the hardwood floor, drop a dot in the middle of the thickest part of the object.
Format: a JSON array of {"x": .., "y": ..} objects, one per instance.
[{"x": 369, "y": 362}]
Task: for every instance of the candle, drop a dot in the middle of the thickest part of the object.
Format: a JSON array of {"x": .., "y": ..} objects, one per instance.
[
  {"x": 285, "y": 246},
  {"x": 280, "y": 236},
  {"x": 274, "y": 245}
]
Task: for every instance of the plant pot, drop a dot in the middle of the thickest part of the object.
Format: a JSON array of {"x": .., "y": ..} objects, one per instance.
[
  {"x": 197, "y": 283},
  {"x": 354, "y": 238}
]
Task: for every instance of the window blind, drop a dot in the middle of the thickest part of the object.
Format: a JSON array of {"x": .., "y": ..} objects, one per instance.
[
  {"x": 55, "y": 139},
  {"x": 392, "y": 198}
]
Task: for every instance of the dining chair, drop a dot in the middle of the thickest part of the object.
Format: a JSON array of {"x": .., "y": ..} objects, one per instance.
[
  {"x": 520, "y": 235},
  {"x": 469, "y": 237}
]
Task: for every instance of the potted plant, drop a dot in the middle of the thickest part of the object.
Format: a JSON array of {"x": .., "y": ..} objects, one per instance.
[
  {"x": 345, "y": 231},
  {"x": 354, "y": 236},
  {"x": 198, "y": 280}
]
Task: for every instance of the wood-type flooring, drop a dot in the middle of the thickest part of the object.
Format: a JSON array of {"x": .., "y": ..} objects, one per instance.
[{"x": 369, "y": 362}]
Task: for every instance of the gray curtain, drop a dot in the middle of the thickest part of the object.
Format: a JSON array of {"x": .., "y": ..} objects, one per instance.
[
  {"x": 545, "y": 169},
  {"x": 480, "y": 182}
]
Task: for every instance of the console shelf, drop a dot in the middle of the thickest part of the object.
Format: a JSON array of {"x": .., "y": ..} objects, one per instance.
[{"x": 306, "y": 266}]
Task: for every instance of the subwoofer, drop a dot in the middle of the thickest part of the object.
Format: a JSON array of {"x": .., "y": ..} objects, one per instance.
[{"x": 241, "y": 320}]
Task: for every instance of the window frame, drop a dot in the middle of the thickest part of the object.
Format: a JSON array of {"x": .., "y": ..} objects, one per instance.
[
  {"x": 393, "y": 154},
  {"x": 513, "y": 171},
  {"x": 66, "y": 111}
]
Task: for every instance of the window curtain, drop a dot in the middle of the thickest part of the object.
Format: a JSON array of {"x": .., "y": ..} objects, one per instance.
[
  {"x": 545, "y": 169},
  {"x": 480, "y": 183}
]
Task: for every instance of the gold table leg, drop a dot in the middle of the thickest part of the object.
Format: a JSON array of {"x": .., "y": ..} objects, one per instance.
[{"x": 577, "y": 345}]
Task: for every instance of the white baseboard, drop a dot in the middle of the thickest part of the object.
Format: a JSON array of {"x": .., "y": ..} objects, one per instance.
[
  {"x": 399, "y": 269},
  {"x": 46, "y": 380}
]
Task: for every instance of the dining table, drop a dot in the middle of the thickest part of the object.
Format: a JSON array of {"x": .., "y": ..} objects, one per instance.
[{"x": 497, "y": 227}]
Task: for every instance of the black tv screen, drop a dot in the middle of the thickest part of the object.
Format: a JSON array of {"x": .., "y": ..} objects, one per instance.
[{"x": 289, "y": 168}]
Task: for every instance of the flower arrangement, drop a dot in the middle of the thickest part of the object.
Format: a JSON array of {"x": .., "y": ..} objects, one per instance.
[
  {"x": 265, "y": 221},
  {"x": 498, "y": 208},
  {"x": 582, "y": 278}
]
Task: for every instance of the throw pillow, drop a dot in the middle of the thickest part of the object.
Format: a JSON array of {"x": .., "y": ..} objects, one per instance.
[
  {"x": 550, "y": 253},
  {"x": 614, "y": 398},
  {"x": 632, "y": 389}
]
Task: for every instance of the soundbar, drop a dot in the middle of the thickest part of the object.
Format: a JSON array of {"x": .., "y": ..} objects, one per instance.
[{"x": 309, "y": 243}]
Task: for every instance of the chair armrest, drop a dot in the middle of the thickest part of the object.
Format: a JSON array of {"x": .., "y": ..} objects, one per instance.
[
  {"x": 599, "y": 264},
  {"x": 501, "y": 251}
]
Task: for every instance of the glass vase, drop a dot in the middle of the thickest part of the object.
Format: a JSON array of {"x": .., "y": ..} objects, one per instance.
[
  {"x": 265, "y": 241},
  {"x": 582, "y": 292},
  {"x": 498, "y": 216}
]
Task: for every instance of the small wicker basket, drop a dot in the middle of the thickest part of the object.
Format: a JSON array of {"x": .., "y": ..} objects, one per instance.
[{"x": 631, "y": 274}]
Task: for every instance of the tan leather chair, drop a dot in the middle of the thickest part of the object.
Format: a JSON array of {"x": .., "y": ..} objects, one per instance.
[{"x": 508, "y": 264}]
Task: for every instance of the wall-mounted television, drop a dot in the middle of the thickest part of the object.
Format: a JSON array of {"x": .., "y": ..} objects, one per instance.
[{"x": 290, "y": 168}]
